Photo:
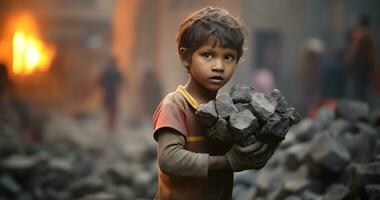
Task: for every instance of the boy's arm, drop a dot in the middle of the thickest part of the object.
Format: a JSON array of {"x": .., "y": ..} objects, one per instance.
[{"x": 173, "y": 159}]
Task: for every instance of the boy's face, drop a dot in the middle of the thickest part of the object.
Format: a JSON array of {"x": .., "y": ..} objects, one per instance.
[{"x": 212, "y": 65}]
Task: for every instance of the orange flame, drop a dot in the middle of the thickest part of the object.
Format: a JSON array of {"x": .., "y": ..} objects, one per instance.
[{"x": 30, "y": 54}]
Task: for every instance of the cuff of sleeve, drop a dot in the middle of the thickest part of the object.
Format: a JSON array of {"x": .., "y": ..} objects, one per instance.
[{"x": 203, "y": 172}]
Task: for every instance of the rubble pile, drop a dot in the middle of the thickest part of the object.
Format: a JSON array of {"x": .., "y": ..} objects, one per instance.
[
  {"x": 65, "y": 170},
  {"x": 245, "y": 116},
  {"x": 334, "y": 156}
]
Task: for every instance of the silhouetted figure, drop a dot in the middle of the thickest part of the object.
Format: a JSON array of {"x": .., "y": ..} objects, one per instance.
[
  {"x": 309, "y": 76},
  {"x": 360, "y": 59},
  {"x": 110, "y": 81},
  {"x": 334, "y": 73}
]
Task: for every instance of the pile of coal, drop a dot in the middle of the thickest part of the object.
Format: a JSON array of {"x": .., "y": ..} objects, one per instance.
[
  {"x": 335, "y": 155},
  {"x": 245, "y": 116},
  {"x": 63, "y": 168}
]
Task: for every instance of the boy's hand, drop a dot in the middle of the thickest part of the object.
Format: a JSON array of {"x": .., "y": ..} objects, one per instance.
[{"x": 254, "y": 156}]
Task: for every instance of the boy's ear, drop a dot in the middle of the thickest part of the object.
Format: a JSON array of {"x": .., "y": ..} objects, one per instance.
[{"x": 185, "y": 57}]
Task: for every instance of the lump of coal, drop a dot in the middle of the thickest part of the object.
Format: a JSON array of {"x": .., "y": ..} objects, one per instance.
[
  {"x": 241, "y": 94},
  {"x": 293, "y": 115},
  {"x": 262, "y": 108},
  {"x": 220, "y": 131},
  {"x": 275, "y": 129},
  {"x": 206, "y": 114},
  {"x": 242, "y": 124},
  {"x": 277, "y": 100},
  {"x": 224, "y": 106}
]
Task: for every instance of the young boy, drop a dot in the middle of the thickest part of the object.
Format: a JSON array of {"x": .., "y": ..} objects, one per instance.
[{"x": 210, "y": 44}]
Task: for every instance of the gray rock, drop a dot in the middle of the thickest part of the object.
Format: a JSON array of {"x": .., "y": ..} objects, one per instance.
[
  {"x": 20, "y": 164},
  {"x": 126, "y": 192},
  {"x": 277, "y": 194},
  {"x": 363, "y": 174},
  {"x": 86, "y": 187},
  {"x": 261, "y": 107},
  {"x": 352, "y": 110},
  {"x": 296, "y": 155},
  {"x": 274, "y": 130},
  {"x": 100, "y": 196},
  {"x": 340, "y": 127},
  {"x": 360, "y": 140},
  {"x": 247, "y": 177},
  {"x": 269, "y": 179},
  {"x": 8, "y": 184},
  {"x": 309, "y": 195},
  {"x": 224, "y": 106},
  {"x": 277, "y": 100},
  {"x": 239, "y": 191},
  {"x": 373, "y": 191},
  {"x": 206, "y": 114},
  {"x": 141, "y": 180},
  {"x": 293, "y": 115},
  {"x": 59, "y": 164},
  {"x": 251, "y": 193},
  {"x": 241, "y": 94},
  {"x": 119, "y": 175},
  {"x": 220, "y": 131},
  {"x": 243, "y": 106},
  {"x": 305, "y": 130},
  {"x": 298, "y": 186},
  {"x": 293, "y": 197},
  {"x": 324, "y": 118},
  {"x": 242, "y": 124},
  {"x": 336, "y": 192},
  {"x": 326, "y": 153},
  {"x": 290, "y": 140}
]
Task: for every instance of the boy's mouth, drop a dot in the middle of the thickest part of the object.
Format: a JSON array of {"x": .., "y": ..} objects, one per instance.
[{"x": 216, "y": 79}]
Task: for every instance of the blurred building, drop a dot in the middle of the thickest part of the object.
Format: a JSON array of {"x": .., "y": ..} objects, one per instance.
[{"x": 141, "y": 34}]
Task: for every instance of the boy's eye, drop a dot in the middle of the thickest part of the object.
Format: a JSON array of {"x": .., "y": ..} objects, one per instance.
[
  {"x": 207, "y": 55},
  {"x": 230, "y": 57}
]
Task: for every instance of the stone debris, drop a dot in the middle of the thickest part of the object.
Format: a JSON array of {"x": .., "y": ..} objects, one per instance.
[
  {"x": 327, "y": 154},
  {"x": 333, "y": 156},
  {"x": 352, "y": 110},
  {"x": 242, "y": 124},
  {"x": 224, "y": 106},
  {"x": 220, "y": 131},
  {"x": 66, "y": 167},
  {"x": 261, "y": 107},
  {"x": 249, "y": 115},
  {"x": 278, "y": 101},
  {"x": 373, "y": 191},
  {"x": 207, "y": 114},
  {"x": 241, "y": 94}
]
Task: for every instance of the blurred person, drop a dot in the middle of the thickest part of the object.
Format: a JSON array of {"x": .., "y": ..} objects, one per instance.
[
  {"x": 334, "y": 73},
  {"x": 360, "y": 60},
  {"x": 209, "y": 44},
  {"x": 309, "y": 76},
  {"x": 263, "y": 80},
  {"x": 110, "y": 81}
]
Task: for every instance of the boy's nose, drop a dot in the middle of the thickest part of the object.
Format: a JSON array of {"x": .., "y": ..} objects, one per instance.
[{"x": 218, "y": 67}]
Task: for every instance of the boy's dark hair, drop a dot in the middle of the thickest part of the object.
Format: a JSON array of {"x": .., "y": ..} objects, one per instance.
[{"x": 210, "y": 21}]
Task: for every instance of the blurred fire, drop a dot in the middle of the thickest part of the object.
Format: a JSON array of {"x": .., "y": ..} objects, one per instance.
[{"x": 29, "y": 53}]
